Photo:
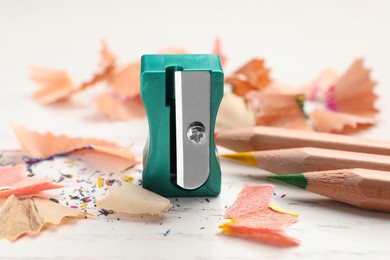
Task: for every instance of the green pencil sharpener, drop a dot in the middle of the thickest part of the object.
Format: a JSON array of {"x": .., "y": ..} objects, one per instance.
[{"x": 181, "y": 95}]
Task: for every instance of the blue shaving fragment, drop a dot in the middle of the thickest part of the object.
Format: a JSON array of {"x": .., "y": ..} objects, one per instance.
[{"x": 167, "y": 232}]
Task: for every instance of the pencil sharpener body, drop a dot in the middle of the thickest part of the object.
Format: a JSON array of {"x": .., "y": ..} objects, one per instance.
[{"x": 181, "y": 95}]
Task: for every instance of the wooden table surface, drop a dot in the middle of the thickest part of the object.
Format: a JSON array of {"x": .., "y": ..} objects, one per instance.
[{"x": 298, "y": 39}]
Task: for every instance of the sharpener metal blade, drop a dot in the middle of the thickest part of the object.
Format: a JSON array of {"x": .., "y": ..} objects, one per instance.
[{"x": 192, "y": 105}]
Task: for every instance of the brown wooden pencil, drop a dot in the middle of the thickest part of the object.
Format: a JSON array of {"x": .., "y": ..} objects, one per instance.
[
  {"x": 297, "y": 160},
  {"x": 263, "y": 138},
  {"x": 368, "y": 189}
]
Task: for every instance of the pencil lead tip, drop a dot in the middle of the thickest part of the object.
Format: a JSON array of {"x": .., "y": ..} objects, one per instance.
[
  {"x": 298, "y": 180},
  {"x": 245, "y": 158}
]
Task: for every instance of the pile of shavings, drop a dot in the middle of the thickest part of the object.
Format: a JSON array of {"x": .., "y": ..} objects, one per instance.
[
  {"x": 337, "y": 103},
  {"x": 252, "y": 216},
  {"x": 119, "y": 101},
  {"x": 332, "y": 102},
  {"x": 54, "y": 177}
]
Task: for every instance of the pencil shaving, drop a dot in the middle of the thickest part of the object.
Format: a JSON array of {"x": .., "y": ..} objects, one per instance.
[
  {"x": 278, "y": 110},
  {"x": 252, "y": 76},
  {"x": 252, "y": 218},
  {"x": 19, "y": 216},
  {"x": 134, "y": 200},
  {"x": 328, "y": 121},
  {"x": 107, "y": 66},
  {"x": 42, "y": 146},
  {"x": 117, "y": 108},
  {"x": 56, "y": 85},
  {"x": 125, "y": 80},
  {"x": 317, "y": 89},
  {"x": 354, "y": 92},
  {"x": 234, "y": 112},
  {"x": 14, "y": 181},
  {"x": 349, "y": 100}
]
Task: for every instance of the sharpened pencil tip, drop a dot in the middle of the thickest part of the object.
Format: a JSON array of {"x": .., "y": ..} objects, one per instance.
[
  {"x": 245, "y": 158},
  {"x": 298, "y": 180}
]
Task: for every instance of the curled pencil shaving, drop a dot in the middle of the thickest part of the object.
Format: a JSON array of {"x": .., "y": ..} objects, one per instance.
[
  {"x": 317, "y": 89},
  {"x": 252, "y": 218},
  {"x": 28, "y": 215},
  {"x": 125, "y": 80},
  {"x": 124, "y": 102},
  {"x": 349, "y": 100},
  {"x": 252, "y": 76},
  {"x": 107, "y": 66},
  {"x": 14, "y": 181},
  {"x": 56, "y": 85},
  {"x": 234, "y": 112},
  {"x": 329, "y": 121},
  {"x": 120, "y": 109},
  {"x": 354, "y": 93},
  {"x": 277, "y": 87},
  {"x": 281, "y": 105},
  {"x": 134, "y": 200},
  {"x": 279, "y": 110},
  {"x": 43, "y": 146}
]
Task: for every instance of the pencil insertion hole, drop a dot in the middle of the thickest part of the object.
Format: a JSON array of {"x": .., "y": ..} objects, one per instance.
[{"x": 196, "y": 133}]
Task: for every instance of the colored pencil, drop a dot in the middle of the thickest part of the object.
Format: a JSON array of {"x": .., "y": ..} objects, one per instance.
[
  {"x": 297, "y": 160},
  {"x": 368, "y": 189},
  {"x": 263, "y": 138}
]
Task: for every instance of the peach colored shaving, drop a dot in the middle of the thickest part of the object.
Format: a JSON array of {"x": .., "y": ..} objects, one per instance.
[
  {"x": 42, "y": 146},
  {"x": 251, "y": 199},
  {"x": 274, "y": 237},
  {"x": 56, "y": 85},
  {"x": 278, "y": 110},
  {"x": 135, "y": 200},
  {"x": 328, "y": 121},
  {"x": 277, "y": 87},
  {"x": 125, "y": 81},
  {"x": 118, "y": 109},
  {"x": 28, "y": 215},
  {"x": 14, "y": 181},
  {"x": 252, "y": 218},
  {"x": 10, "y": 174},
  {"x": 107, "y": 58},
  {"x": 107, "y": 65},
  {"x": 234, "y": 112},
  {"x": 317, "y": 89},
  {"x": 252, "y": 76},
  {"x": 354, "y": 92}
]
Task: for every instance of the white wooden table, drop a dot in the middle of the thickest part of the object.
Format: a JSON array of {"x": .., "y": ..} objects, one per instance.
[{"x": 298, "y": 39}]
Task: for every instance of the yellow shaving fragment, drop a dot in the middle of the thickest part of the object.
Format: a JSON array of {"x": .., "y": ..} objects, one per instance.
[
  {"x": 128, "y": 178},
  {"x": 71, "y": 163},
  {"x": 100, "y": 181},
  {"x": 225, "y": 226},
  {"x": 89, "y": 214},
  {"x": 278, "y": 209},
  {"x": 83, "y": 205}
]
